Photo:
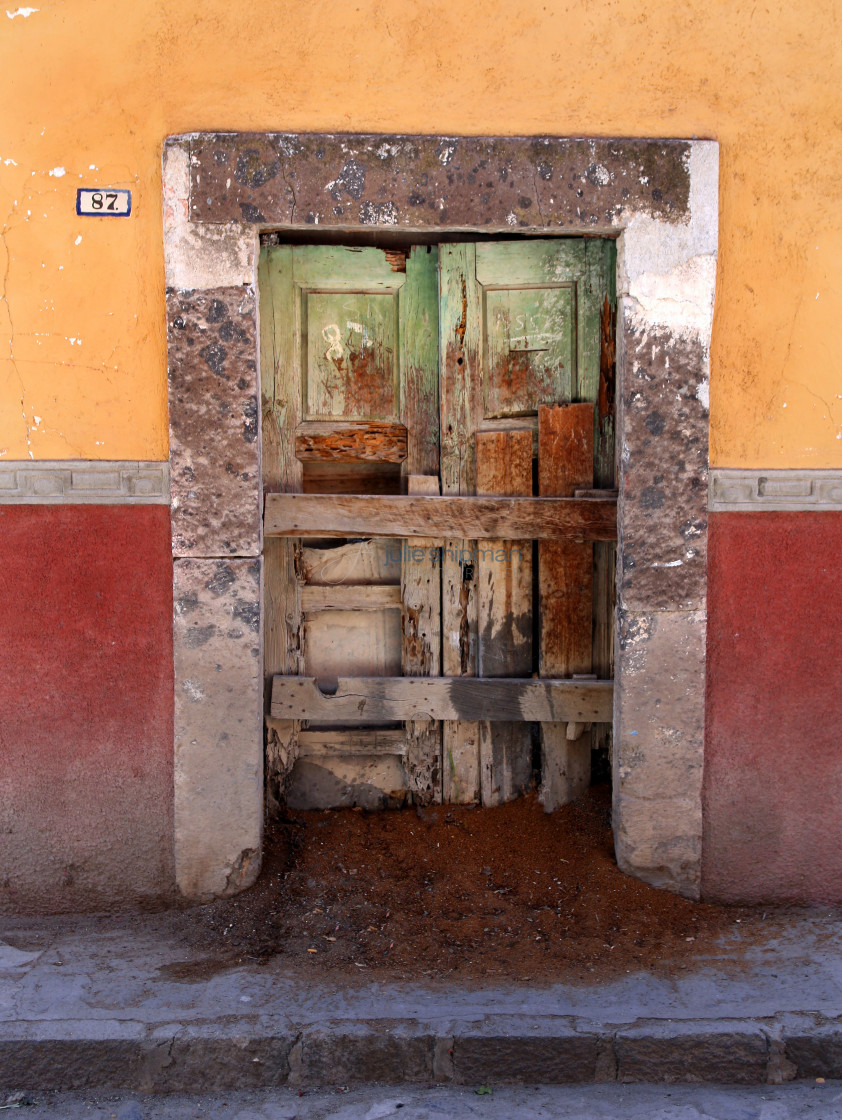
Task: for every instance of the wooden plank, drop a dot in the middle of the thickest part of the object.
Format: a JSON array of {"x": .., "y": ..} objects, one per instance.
[
  {"x": 460, "y": 356},
  {"x": 364, "y": 740},
  {"x": 352, "y": 643},
  {"x": 421, "y": 650},
  {"x": 375, "y": 515},
  {"x": 334, "y": 441},
  {"x": 504, "y": 614},
  {"x": 565, "y": 463},
  {"x": 280, "y": 411},
  {"x": 344, "y": 598},
  {"x": 351, "y": 478},
  {"x": 373, "y": 699}
]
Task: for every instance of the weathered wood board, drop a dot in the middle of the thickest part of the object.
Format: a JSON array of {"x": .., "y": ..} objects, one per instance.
[
  {"x": 371, "y": 515},
  {"x": 362, "y": 643},
  {"x": 367, "y": 699},
  {"x": 504, "y": 614},
  {"x": 460, "y": 388},
  {"x": 565, "y": 464},
  {"x": 344, "y": 597},
  {"x": 421, "y": 650}
]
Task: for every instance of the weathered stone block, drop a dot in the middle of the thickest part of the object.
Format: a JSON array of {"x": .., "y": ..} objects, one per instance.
[
  {"x": 729, "y": 1052},
  {"x": 659, "y": 747},
  {"x": 815, "y": 1050},
  {"x": 554, "y": 1056},
  {"x": 662, "y": 558},
  {"x": 362, "y": 1052},
  {"x": 214, "y": 453},
  {"x": 218, "y": 1061},
  {"x": 218, "y": 725}
]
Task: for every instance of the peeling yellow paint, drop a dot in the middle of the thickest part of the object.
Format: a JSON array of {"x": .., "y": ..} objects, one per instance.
[{"x": 96, "y": 96}]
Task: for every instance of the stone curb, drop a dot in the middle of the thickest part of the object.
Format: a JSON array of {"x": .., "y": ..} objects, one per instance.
[{"x": 217, "y": 1055}]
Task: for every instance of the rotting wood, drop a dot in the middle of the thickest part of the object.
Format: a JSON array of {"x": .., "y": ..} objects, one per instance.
[
  {"x": 372, "y": 515},
  {"x": 372, "y": 699},
  {"x": 421, "y": 650},
  {"x": 345, "y": 598},
  {"x": 349, "y": 442},
  {"x": 460, "y": 349},
  {"x": 565, "y": 463},
  {"x": 504, "y": 614}
]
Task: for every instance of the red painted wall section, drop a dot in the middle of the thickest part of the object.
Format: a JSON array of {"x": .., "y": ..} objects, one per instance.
[
  {"x": 773, "y": 757},
  {"x": 86, "y": 698}
]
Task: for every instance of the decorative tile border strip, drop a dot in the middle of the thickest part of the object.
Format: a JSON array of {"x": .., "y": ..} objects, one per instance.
[
  {"x": 790, "y": 491},
  {"x": 84, "y": 482}
]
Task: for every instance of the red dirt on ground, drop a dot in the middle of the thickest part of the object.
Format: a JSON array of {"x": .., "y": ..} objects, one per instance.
[{"x": 510, "y": 892}]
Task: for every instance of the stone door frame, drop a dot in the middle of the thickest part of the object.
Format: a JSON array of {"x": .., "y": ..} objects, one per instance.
[{"x": 659, "y": 199}]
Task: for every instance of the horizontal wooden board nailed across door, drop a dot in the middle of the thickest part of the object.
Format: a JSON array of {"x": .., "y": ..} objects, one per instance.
[
  {"x": 367, "y": 515},
  {"x": 368, "y": 699}
]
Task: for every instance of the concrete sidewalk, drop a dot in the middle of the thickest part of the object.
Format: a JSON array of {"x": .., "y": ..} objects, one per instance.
[{"x": 125, "y": 1004}]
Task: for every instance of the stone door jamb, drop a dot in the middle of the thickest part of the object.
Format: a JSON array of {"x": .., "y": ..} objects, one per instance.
[{"x": 659, "y": 198}]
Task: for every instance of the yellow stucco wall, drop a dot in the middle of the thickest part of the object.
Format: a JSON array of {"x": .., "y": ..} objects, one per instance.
[{"x": 89, "y": 89}]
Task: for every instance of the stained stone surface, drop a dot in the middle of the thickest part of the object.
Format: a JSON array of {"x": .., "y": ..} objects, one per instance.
[
  {"x": 663, "y": 472},
  {"x": 435, "y": 181},
  {"x": 659, "y": 715},
  {"x": 218, "y": 725},
  {"x": 214, "y": 453}
]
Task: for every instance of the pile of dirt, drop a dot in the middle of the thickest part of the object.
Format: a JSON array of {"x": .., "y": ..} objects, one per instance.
[{"x": 510, "y": 892}]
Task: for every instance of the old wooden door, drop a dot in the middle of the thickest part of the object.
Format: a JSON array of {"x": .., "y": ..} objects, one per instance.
[{"x": 438, "y": 370}]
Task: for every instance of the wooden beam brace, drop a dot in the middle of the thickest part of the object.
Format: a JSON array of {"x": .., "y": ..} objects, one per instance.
[
  {"x": 371, "y": 699},
  {"x": 472, "y": 518}
]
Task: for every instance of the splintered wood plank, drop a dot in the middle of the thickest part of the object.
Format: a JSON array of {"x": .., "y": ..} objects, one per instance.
[
  {"x": 344, "y": 598},
  {"x": 346, "y": 442},
  {"x": 281, "y": 406},
  {"x": 381, "y": 699},
  {"x": 565, "y": 464},
  {"x": 504, "y": 614},
  {"x": 460, "y": 356},
  {"x": 421, "y": 649},
  {"x": 399, "y": 515}
]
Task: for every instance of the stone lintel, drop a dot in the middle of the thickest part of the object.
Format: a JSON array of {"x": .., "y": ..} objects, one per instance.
[{"x": 435, "y": 182}]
